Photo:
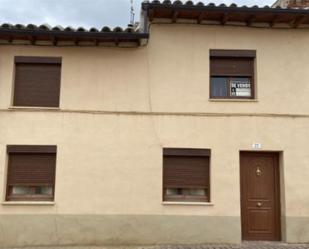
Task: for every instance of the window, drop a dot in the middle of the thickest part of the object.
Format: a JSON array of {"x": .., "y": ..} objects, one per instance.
[
  {"x": 31, "y": 173},
  {"x": 232, "y": 74},
  {"x": 37, "y": 81},
  {"x": 186, "y": 175}
]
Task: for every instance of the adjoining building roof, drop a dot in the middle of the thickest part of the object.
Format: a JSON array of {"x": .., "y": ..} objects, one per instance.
[
  {"x": 166, "y": 10},
  {"x": 223, "y": 14},
  {"x": 296, "y": 4},
  {"x": 58, "y": 35}
]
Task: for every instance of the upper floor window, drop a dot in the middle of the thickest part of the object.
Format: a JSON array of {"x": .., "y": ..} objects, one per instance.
[
  {"x": 186, "y": 175},
  {"x": 232, "y": 74},
  {"x": 31, "y": 173},
  {"x": 37, "y": 81}
]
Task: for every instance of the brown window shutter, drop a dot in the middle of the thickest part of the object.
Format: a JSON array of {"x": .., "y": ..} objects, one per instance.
[
  {"x": 231, "y": 67},
  {"x": 35, "y": 169},
  {"x": 37, "y": 84},
  {"x": 186, "y": 172}
]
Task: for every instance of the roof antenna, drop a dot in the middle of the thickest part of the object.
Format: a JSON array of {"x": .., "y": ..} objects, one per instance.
[{"x": 132, "y": 13}]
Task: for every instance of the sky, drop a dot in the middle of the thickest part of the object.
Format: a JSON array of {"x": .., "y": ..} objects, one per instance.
[{"x": 83, "y": 13}]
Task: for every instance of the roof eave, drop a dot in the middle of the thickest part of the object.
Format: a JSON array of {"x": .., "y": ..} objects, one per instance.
[
  {"x": 292, "y": 18},
  {"x": 74, "y": 36},
  {"x": 232, "y": 8}
]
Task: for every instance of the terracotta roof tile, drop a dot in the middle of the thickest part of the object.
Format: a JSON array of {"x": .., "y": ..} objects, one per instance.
[
  {"x": 224, "y": 14},
  {"x": 174, "y": 10},
  {"x": 57, "y": 34},
  {"x": 190, "y": 3}
]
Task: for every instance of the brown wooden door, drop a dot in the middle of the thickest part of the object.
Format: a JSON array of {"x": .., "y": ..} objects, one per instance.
[{"x": 260, "y": 196}]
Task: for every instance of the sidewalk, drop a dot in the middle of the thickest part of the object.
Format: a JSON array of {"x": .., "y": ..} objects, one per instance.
[{"x": 245, "y": 245}]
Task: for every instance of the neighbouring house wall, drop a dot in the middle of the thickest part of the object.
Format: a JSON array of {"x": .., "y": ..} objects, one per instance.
[
  {"x": 120, "y": 107},
  {"x": 291, "y": 4}
]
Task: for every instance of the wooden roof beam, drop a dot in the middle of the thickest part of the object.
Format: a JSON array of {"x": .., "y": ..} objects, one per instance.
[
  {"x": 151, "y": 15},
  {"x": 32, "y": 40},
  {"x": 117, "y": 42},
  {"x": 274, "y": 21},
  {"x": 175, "y": 16},
  {"x": 251, "y": 20},
  {"x": 139, "y": 42},
  {"x": 225, "y": 18},
  {"x": 54, "y": 41},
  {"x": 201, "y": 17},
  {"x": 298, "y": 21}
]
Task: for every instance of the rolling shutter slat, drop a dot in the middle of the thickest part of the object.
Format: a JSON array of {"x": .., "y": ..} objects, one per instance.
[
  {"x": 186, "y": 172},
  {"x": 31, "y": 169},
  {"x": 231, "y": 67},
  {"x": 37, "y": 85}
]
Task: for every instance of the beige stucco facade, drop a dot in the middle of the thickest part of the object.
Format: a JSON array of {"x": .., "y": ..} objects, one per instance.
[{"x": 120, "y": 107}]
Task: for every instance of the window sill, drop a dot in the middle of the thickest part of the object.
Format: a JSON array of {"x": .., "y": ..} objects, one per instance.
[
  {"x": 28, "y": 203},
  {"x": 233, "y": 100},
  {"x": 184, "y": 203},
  {"x": 33, "y": 108}
]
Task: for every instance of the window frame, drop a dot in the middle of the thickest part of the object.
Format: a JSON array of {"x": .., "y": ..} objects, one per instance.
[
  {"x": 29, "y": 197},
  {"x": 186, "y": 152},
  {"x": 29, "y": 149},
  {"x": 187, "y": 198},
  {"x": 250, "y": 55}
]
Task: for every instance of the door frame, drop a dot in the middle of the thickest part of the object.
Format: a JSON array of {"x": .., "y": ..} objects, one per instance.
[{"x": 278, "y": 196}]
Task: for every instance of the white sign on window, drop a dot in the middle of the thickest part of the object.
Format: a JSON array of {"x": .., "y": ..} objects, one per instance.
[{"x": 240, "y": 87}]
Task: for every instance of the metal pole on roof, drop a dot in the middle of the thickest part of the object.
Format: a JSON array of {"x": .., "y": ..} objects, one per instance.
[{"x": 132, "y": 13}]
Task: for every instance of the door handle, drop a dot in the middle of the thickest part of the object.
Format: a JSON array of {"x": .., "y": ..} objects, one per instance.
[
  {"x": 258, "y": 171},
  {"x": 259, "y": 204}
]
